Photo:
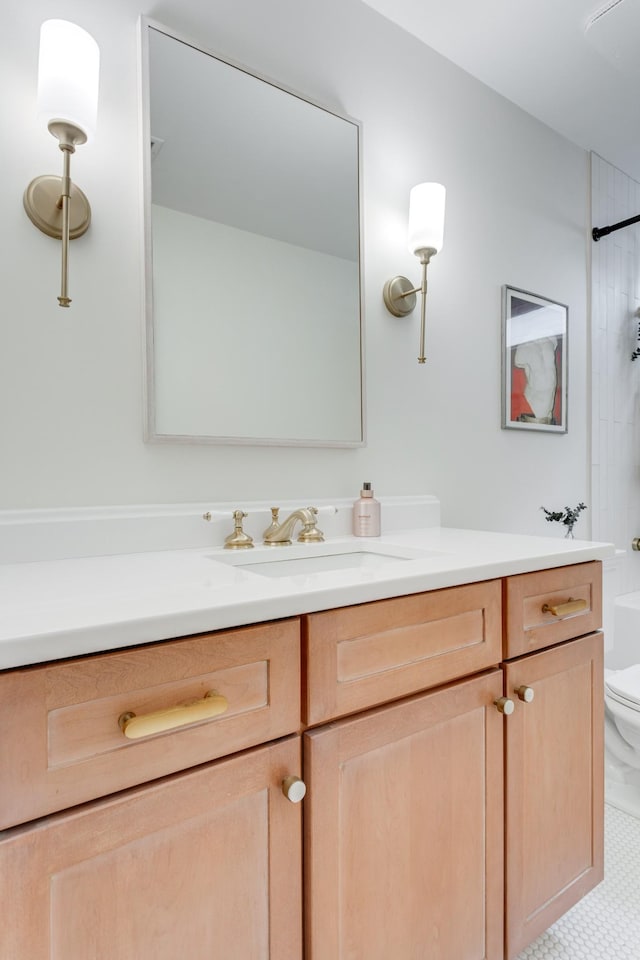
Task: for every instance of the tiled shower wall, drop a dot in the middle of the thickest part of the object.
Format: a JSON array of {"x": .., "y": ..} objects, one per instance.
[{"x": 615, "y": 448}]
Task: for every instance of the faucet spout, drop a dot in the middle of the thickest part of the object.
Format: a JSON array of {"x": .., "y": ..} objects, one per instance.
[{"x": 280, "y": 534}]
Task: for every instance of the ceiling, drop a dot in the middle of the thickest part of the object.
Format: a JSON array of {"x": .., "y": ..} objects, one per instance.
[{"x": 574, "y": 64}]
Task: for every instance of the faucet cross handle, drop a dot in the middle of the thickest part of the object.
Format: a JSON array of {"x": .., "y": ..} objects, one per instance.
[{"x": 238, "y": 540}]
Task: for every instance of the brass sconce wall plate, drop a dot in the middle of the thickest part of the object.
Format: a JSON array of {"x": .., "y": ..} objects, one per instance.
[
  {"x": 399, "y": 296},
  {"x": 42, "y": 204}
]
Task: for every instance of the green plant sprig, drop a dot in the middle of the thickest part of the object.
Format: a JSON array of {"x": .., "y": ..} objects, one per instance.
[{"x": 568, "y": 516}]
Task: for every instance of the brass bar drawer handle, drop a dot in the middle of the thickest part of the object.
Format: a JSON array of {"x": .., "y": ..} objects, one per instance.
[
  {"x": 565, "y": 609},
  {"x": 211, "y": 705}
]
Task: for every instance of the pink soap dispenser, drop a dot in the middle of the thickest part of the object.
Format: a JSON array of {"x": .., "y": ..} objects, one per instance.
[{"x": 366, "y": 514}]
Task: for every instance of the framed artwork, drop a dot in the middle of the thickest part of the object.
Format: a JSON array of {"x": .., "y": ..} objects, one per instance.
[{"x": 534, "y": 362}]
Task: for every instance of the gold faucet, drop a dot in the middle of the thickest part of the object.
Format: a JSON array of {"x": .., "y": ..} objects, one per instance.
[{"x": 279, "y": 534}]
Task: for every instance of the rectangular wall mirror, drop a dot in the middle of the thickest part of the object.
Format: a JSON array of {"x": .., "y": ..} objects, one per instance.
[{"x": 253, "y": 256}]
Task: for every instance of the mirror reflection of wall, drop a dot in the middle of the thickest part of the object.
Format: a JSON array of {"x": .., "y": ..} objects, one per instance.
[{"x": 254, "y": 334}]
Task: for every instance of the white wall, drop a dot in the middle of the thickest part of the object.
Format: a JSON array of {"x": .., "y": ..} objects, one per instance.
[
  {"x": 71, "y": 381},
  {"x": 615, "y": 455}
]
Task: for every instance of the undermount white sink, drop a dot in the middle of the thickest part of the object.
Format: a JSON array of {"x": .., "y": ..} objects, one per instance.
[{"x": 350, "y": 558}]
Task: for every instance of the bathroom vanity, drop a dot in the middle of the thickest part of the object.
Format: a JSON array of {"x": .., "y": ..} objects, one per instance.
[{"x": 435, "y": 823}]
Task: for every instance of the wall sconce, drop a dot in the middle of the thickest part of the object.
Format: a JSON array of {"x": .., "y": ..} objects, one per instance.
[
  {"x": 68, "y": 71},
  {"x": 426, "y": 232}
]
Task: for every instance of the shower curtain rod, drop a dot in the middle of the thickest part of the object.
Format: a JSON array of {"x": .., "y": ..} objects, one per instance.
[{"x": 598, "y": 232}]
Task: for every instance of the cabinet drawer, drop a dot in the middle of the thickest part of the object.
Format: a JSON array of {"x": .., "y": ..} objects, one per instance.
[
  {"x": 364, "y": 655},
  {"x": 530, "y": 624},
  {"x": 62, "y": 743}
]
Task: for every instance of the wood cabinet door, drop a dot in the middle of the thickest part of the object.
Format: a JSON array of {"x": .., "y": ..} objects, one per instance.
[
  {"x": 204, "y": 865},
  {"x": 403, "y": 829},
  {"x": 554, "y": 786}
]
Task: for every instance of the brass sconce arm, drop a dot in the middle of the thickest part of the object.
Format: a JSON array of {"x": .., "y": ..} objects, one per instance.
[
  {"x": 400, "y": 297},
  {"x": 56, "y": 206},
  {"x": 65, "y": 197}
]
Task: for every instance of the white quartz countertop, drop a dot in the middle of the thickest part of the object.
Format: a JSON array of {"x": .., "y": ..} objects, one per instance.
[{"x": 54, "y": 609}]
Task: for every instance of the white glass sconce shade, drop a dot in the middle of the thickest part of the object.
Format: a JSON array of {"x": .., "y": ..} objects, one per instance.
[
  {"x": 426, "y": 217},
  {"x": 68, "y": 72}
]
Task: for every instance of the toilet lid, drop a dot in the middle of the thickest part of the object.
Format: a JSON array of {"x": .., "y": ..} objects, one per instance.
[{"x": 625, "y": 684}]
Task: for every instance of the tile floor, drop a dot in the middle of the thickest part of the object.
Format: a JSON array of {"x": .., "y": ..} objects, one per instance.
[{"x": 605, "y": 925}]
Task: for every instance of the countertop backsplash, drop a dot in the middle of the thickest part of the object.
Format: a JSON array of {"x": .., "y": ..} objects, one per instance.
[{"x": 59, "y": 534}]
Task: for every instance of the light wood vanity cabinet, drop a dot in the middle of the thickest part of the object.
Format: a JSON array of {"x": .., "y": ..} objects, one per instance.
[{"x": 391, "y": 716}]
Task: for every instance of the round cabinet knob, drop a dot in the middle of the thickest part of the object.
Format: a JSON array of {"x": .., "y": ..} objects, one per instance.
[
  {"x": 294, "y": 789},
  {"x": 526, "y": 694},
  {"x": 505, "y": 705}
]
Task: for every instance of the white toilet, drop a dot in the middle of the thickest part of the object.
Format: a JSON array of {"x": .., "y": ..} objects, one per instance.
[{"x": 622, "y": 738}]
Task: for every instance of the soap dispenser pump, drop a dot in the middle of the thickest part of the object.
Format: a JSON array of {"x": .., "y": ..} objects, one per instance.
[{"x": 366, "y": 514}]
